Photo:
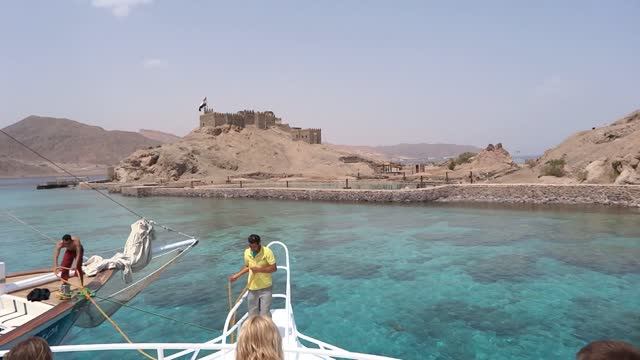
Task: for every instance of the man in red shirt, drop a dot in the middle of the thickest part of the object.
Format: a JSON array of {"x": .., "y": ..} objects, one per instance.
[{"x": 73, "y": 251}]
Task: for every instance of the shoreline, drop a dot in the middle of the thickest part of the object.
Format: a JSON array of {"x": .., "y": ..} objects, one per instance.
[{"x": 536, "y": 194}]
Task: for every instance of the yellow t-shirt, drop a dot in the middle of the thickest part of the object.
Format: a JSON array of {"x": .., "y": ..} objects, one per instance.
[{"x": 265, "y": 257}]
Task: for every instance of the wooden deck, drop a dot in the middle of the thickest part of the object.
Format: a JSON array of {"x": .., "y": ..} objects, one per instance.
[{"x": 53, "y": 286}]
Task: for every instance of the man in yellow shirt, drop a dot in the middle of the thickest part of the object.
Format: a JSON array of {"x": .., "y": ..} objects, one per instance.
[{"x": 259, "y": 262}]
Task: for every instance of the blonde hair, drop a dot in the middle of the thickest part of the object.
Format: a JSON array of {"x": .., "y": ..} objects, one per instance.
[
  {"x": 259, "y": 340},
  {"x": 34, "y": 348}
]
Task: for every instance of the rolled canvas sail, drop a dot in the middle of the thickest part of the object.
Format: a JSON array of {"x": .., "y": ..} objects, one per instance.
[{"x": 143, "y": 266}]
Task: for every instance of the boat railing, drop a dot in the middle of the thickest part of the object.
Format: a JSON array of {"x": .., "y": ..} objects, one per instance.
[
  {"x": 192, "y": 350},
  {"x": 161, "y": 348}
]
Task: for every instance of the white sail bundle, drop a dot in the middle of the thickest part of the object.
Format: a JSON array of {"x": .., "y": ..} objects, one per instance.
[
  {"x": 141, "y": 263},
  {"x": 136, "y": 255}
]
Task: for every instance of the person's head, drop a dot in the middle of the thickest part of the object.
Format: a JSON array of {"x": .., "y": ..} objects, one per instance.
[
  {"x": 254, "y": 242},
  {"x": 66, "y": 238},
  {"x": 608, "y": 350},
  {"x": 259, "y": 340},
  {"x": 34, "y": 348}
]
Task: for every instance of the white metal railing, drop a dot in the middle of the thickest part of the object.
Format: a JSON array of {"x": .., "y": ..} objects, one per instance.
[
  {"x": 220, "y": 343},
  {"x": 160, "y": 349}
]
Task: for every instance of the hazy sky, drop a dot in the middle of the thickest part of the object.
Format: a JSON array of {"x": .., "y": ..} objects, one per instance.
[{"x": 524, "y": 73}]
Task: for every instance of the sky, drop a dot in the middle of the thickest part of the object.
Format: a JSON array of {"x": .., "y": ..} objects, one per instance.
[{"x": 524, "y": 73}]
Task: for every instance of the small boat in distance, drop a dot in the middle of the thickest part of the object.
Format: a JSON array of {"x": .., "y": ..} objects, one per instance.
[{"x": 295, "y": 344}]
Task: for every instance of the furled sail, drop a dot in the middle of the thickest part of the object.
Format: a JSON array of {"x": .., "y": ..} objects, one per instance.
[{"x": 141, "y": 263}]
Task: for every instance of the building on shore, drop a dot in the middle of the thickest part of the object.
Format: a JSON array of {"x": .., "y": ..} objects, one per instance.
[{"x": 261, "y": 120}]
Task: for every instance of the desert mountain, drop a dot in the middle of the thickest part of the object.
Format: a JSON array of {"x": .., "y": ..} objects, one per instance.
[
  {"x": 411, "y": 152},
  {"x": 66, "y": 142},
  {"x": 217, "y": 152},
  {"x": 160, "y": 136},
  {"x": 609, "y": 154}
]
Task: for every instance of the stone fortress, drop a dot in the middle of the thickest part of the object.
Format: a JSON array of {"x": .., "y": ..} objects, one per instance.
[{"x": 261, "y": 120}]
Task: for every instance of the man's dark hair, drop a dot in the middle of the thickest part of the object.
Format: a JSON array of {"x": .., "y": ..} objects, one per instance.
[
  {"x": 66, "y": 237},
  {"x": 608, "y": 350},
  {"x": 254, "y": 239}
]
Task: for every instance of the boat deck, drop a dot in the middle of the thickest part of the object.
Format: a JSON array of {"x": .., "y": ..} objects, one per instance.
[{"x": 53, "y": 287}]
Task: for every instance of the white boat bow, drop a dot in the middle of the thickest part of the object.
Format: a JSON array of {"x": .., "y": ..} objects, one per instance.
[{"x": 295, "y": 344}]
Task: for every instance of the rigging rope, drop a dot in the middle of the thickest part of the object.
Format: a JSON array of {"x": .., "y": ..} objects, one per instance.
[
  {"x": 30, "y": 226},
  {"x": 83, "y": 290},
  {"x": 155, "y": 314},
  {"x": 90, "y": 186},
  {"x": 233, "y": 317},
  {"x": 17, "y": 219}
]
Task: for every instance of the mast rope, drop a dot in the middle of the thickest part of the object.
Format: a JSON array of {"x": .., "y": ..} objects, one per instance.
[
  {"x": 92, "y": 187},
  {"x": 156, "y": 314},
  {"x": 17, "y": 219},
  {"x": 87, "y": 293}
]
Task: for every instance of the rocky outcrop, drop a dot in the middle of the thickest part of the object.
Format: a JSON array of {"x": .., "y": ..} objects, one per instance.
[
  {"x": 599, "y": 172},
  {"x": 222, "y": 151},
  {"x": 605, "y": 155},
  {"x": 494, "y": 161}
]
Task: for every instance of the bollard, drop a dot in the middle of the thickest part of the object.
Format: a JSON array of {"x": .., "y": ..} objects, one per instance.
[
  {"x": 346, "y": 186},
  {"x": 287, "y": 183},
  {"x": 240, "y": 184},
  {"x": 471, "y": 176},
  {"x": 446, "y": 177}
]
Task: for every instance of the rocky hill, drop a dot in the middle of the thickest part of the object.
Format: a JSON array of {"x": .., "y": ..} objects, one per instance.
[
  {"x": 493, "y": 161},
  {"x": 488, "y": 164},
  {"x": 162, "y": 137},
  {"x": 66, "y": 142},
  {"x": 608, "y": 154},
  {"x": 217, "y": 152}
]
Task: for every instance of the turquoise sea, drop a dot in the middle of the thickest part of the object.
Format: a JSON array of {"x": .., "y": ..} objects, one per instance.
[{"x": 414, "y": 282}]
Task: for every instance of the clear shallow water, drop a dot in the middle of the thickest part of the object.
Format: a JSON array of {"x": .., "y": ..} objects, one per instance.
[{"x": 415, "y": 282}]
